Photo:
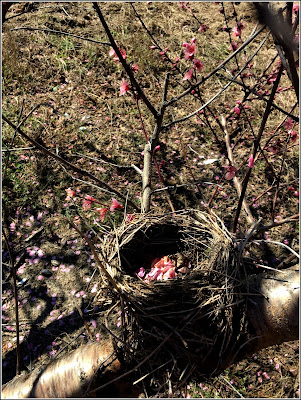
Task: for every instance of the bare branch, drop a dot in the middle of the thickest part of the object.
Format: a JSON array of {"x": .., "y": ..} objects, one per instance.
[
  {"x": 124, "y": 63},
  {"x": 66, "y": 163},
  {"x": 256, "y": 145},
  {"x": 205, "y": 78},
  {"x": 219, "y": 93},
  {"x": 236, "y": 181}
]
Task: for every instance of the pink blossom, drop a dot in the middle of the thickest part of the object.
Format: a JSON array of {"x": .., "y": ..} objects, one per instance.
[
  {"x": 154, "y": 262},
  {"x": 233, "y": 46},
  {"x": 203, "y": 28},
  {"x": 188, "y": 75},
  {"x": 40, "y": 277},
  {"x": 236, "y": 110},
  {"x": 156, "y": 149},
  {"x": 230, "y": 172},
  {"x": 189, "y": 49},
  {"x": 153, "y": 47},
  {"x": 135, "y": 67},
  {"x": 102, "y": 212},
  {"x": 293, "y": 135},
  {"x": 141, "y": 272},
  {"x": 170, "y": 273},
  {"x": 154, "y": 274},
  {"x": 161, "y": 269},
  {"x": 289, "y": 124},
  {"x": 113, "y": 54},
  {"x": 295, "y": 8},
  {"x": 70, "y": 193},
  {"x": 93, "y": 322},
  {"x": 236, "y": 32},
  {"x": 251, "y": 161},
  {"x": 87, "y": 202},
  {"x": 198, "y": 64},
  {"x": 124, "y": 87},
  {"x": 115, "y": 205}
]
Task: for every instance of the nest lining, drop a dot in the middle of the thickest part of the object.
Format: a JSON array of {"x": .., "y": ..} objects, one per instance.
[{"x": 193, "y": 319}]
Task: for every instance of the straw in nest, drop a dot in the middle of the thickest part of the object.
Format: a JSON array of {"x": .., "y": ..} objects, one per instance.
[{"x": 194, "y": 319}]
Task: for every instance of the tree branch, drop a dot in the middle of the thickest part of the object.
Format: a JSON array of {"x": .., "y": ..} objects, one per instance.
[
  {"x": 124, "y": 63},
  {"x": 67, "y": 163}
]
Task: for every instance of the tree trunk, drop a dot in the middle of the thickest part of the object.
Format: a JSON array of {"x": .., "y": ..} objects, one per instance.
[{"x": 272, "y": 318}]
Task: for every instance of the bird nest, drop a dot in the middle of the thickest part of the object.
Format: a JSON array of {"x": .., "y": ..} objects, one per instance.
[{"x": 190, "y": 318}]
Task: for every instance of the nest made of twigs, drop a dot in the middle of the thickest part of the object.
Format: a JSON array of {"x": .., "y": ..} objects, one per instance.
[{"x": 193, "y": 319}]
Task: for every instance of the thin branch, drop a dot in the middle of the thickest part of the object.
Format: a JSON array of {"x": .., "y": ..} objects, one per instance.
[
  {"x": 66, "y": 163},
  {"x": 13, "y": 271},
  {"x": 294, "y": 218},
  {"x": 205, "y": 78},
  {"x": 236, "y": 181},
  {"x": 54, "y": 32},
  {"x": 252, "y": 90},
  {"x": 220, "y": 92},
  {"x": 124, "y": 63},
  {"x": 256, "y": 145}
]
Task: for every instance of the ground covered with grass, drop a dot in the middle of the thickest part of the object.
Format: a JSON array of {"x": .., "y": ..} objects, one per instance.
[{"x": 77, "y": 104}]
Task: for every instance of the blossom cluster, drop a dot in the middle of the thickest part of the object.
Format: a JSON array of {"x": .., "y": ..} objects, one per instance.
[{"x": 161, "y": 270}]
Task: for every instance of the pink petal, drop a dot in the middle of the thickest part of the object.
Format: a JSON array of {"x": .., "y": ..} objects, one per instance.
[
  {"x": 124, "y": 87},
  {"x": 141, "y": 272},
  {"x": 102, "y": 212},
  {"x": 188, "y": 75},
  {"x": 198, "y": 64},
  {"x": 251, "y": 161},
  {"x": 115, "y": 205},
  {"x": 237, "y": 110}
]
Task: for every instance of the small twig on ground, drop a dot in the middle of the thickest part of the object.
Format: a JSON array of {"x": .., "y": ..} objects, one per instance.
[
  {"x": 54, "y": 32},
  {"x": 286, "y": 262}
]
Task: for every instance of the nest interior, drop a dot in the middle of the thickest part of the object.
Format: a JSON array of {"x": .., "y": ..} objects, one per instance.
[{"x": 192, "y": 320}]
